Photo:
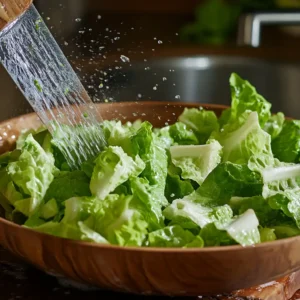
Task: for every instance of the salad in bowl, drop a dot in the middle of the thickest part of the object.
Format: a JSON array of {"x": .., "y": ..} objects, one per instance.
[{"x": 203, "y": 181}]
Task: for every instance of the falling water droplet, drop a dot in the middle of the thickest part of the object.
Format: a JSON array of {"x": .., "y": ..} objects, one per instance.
[
  {"x": 177, "y": 97},
  {"x": 77, "y": 20},
  {"x": 164, "y": 79},
  {"x": 66, "y": 43},
  {"x": 124, "y": 58},
  {"x": 155, "y": 88},
  {"x": 99, "y": 17},
  {"x": 159, "y": 42}
]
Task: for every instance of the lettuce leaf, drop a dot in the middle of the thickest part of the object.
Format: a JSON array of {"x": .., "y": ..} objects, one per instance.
[
  {"x": 245, "y": 141},
  {"x": 176, "y": 187},
  {"x": 181, "y": 135},
  {"x": 190, "y": 214},
  {"x": 286, "y": 146},
  {"x": 67, "y": 185},
  {"x": 113, "y": 167},
  {"x": 176, "y": 237},
  {"x": 32, "y": 173},
  {"x": 202, "y": 122},
  {"x": 245, "y": 98},
  {"x": 196, "y": 162},
  {"x": 229, "y": 180}
]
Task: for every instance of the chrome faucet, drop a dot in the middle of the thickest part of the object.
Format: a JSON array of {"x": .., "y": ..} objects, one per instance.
[{"x": 249, "y": 31}]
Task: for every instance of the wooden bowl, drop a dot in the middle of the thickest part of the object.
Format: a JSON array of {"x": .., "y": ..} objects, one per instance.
[{"x": 153, "y": 271}]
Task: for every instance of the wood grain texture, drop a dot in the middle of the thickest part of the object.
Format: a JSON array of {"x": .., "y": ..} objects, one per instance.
[
  {"x": 12, "y": 9},
  {"x": 19, "y": 280},
  {"x": 154, "y": 271}
]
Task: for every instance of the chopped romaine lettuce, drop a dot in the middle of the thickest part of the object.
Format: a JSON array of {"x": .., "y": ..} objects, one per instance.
[
  {"x": 189, "y": 214},
  {"x": 245, "y": 98},
  {"x": 113, "y": 167},
  {"x": 247, "y": 140},
  {"x": 196, "y": 162},
  {"x": 181, "y": 135},
  {"x": 67, "y": 185},
  {"x": 244, "y": 228},
  {"x": 274, "y": 125},
  {"x": 229, "y": 180},
  {"x": 174, "y": 236},
  {"x": 32, "y": 173},
  {"x": 149, "y": 201},
  {"x": 202, "y": 181},
  {"x": 201, "y": 122},
  {"x": 176, "y": 187},
  {"x": 286, "y": 146},
  {"x": 267, "y": 234}
]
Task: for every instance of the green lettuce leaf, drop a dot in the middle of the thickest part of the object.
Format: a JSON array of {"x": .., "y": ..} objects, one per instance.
[
  {"x": 70, "y": 231},
  {"x": 229, "y": 180},
  {"x": 176, "y": 188},
  {"x": 274, "y": 125},
  {"x": 190, "y": 214},
  {"x": 246, "y": 141},
  {"x": 32, "y": 173},
  {"x": 174, "y": 236},
  {"x": 267, "y": 235},
  {"x": 281, "y": 184},
  {"x": 201, "y": 122},
  {"x": 286, "y": 146},
  {"x": 118, "y": 222},
  {"x": 242, "y": 229},
  {"x": 245, "y": 98},
  {"x": 67, "y": 185},
  {"x": 10, "y": 193},
  {"x": 196, "y": 162},
  {"x": 212, "y": 236},
  {"x": 49, "y": 210},
  {"x": 163, "y": 137},
  {"x": 121, "y": 136},
  {"x": 38, "y": 134},
  {"x": 286, "y": 230},
  {"x": 264, "y": 210},
  {"x": 113, "y": 167},
  {"x": 147, "y": 147},
  {"x": 181, "y": 135},
  {"x": 150, "y": 202}
]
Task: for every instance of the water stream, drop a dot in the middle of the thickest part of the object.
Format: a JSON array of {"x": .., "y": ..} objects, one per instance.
[{"x": 39, "y": 68}]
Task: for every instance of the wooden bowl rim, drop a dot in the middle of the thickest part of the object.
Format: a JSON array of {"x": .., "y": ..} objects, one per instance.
[{"x": 71, "y": 242}]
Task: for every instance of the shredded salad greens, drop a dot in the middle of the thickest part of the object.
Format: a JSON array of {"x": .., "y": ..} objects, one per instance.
[{"x": 203, "y": 181}]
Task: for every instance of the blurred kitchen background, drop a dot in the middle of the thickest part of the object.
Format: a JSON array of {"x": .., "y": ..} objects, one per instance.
[{"x": 172, "y": 50}]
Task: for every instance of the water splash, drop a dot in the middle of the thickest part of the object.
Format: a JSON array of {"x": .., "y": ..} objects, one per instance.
[{"x": 35, "y": 62}]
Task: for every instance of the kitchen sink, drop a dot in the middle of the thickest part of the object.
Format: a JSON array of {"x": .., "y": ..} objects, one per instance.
[
  {"x": 200, "y": 79},
  {"x": 205, "y": 79}
]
